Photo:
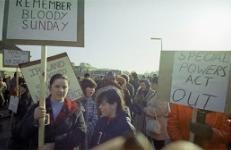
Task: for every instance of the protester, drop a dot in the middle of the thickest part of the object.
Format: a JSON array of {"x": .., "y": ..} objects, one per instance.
[
  {"x": 66, "y": 129},
  {"x": 24, "y": 104},
  {"x": 126, "y": 94},
  {"x": 6, "y": 79},
  {"x": 157, "y": 110},
  {"x": 154, "y": 82},
  {"x": 129, "y": 86},
  {"x": 211, "y": 135},
  {"x": 143, "y": 95},
  {"x": 3, "y": 87},
  {"x": 109, "y": 79},
  {"x": 90, "y": 113},
  {"x": 87, "y": 75},
  {"x": 25, "y": 101},
  {"x": 134, "y": 81},
  {"x": 13, "y": 85},
  {"x": 114, "y": 121}
]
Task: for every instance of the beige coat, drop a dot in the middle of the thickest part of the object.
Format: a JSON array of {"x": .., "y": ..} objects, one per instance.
[
  {"x": 161, "y": 108},
  {"x": 141, "y": 101}
]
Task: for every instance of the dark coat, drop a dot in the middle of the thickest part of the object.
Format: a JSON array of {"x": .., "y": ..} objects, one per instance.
[
  {"x": 16, "y": 142},
  {"x": 107, "y": 129},
  {"x": 67, "y": 131},
  {"x": 25, "y": 102}
]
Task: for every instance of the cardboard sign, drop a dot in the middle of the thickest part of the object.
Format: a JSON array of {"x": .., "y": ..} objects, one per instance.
[
  {"x": 55, "y": 64},
  {"x": 11, "y": 58},
  {"x": 200, "y": 79},
  {"x": 13, "y": 105},
  {"x": 44, "y": 22}
]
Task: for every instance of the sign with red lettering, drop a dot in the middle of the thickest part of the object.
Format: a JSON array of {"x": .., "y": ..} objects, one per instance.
[
  {"x": 44, "y": 22},
  {"x": 201, "y": 79}
]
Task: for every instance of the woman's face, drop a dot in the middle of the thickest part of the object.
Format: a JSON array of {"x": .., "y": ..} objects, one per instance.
[
  {"x": 59, "y": 89},
  {"x": 22, "y": 90},
  {"x": 142, "y": 86},
  {"x": 89, "y": 91},
  {"x": 107, "y": 110}
]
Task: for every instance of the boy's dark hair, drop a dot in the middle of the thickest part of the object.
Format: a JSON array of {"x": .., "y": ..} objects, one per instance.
[
  {"x": 87, "y": 82},
  {"x": 86, "y": 75}
]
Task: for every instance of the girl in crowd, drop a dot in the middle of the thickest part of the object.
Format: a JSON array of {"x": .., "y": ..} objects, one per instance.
[
  {"x": 114, "y": 121},
  {"x": 67, "y": 127},
  {"x": 25, "y": 102},
  {"x": 3, "y": 87},
  {"x": 90, "y": 108},
  {"x": 127, "y": 97}
]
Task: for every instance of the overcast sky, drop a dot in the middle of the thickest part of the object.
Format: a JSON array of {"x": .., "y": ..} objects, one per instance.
[{"x": 118, "y": 32}]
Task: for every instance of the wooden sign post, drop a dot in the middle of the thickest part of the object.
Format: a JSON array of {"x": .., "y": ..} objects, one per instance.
[{"x": 42, "y": 102}]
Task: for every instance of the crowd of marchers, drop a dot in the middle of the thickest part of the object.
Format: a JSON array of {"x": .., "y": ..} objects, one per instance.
[{"x": 113, "y": 109}]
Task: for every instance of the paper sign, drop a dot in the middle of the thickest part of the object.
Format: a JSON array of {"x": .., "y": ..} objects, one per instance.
[
  {"x": 44, "y": 22},
  {"x": 13, "y": 105},
  {"x": 200, "y": 79},
  {"x": 56, "y": 64},
  {"x": 11, "y": 58}
]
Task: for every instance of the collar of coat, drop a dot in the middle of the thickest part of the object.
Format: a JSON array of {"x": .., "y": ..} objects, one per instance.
[{"x": 69, "y": 107}]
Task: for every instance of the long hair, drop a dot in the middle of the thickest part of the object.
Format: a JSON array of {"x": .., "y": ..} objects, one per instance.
[
  {"x": 87, "y": 82},
  {"x": 111, "y": 95}
]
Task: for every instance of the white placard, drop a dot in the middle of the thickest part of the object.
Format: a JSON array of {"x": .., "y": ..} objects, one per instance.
[
  {"x": 56, "y": 64},
  {"x": 200, "y": 79},
  {"x": 43, "y": 20},
  {"x": 15, "y": 57},
  {"x": 13, "y": 105}
]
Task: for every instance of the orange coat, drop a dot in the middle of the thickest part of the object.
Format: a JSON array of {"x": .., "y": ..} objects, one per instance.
[{"x": 178, "y": 126}]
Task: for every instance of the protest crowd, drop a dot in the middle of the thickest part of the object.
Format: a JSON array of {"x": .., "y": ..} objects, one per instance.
[
  {"x": 117, "y": 111},
  {"x": 51, "y": 104}
]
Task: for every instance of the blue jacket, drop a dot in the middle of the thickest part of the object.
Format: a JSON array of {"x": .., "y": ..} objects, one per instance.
[{"x": 107, "y": 129}]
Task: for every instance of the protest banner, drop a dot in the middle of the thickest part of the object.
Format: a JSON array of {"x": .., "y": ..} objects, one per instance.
[
  {"x": 56, "y": 64},
  {"x": 44, "y": 22},
  {"x": 200, "y": 79},
  {"x": 11, "y": 58}
]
